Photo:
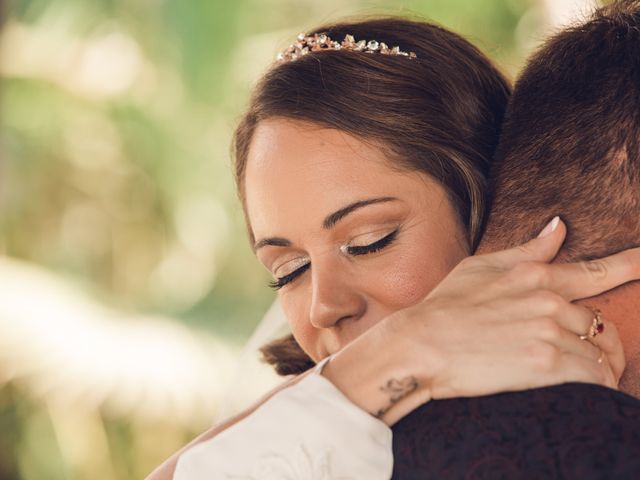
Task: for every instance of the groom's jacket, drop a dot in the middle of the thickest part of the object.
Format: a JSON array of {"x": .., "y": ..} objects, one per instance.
[{"x": 569, "y": 431}]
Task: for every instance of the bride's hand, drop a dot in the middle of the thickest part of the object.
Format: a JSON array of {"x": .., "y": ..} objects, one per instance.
[{"x": 504, "y": 321}]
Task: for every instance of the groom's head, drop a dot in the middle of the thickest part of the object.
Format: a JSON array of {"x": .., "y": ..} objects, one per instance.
[{"x": 571, "y": 141}]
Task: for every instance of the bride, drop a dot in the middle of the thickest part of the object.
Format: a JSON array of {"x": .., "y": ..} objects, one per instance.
[{"x": 361, "y": 164}]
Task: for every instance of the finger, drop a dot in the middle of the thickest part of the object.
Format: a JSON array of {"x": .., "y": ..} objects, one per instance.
[
  {"x": 578, "y": 320},
  {"x": 574, "y": 368},
  {"x": 543, "y": 248},
  {"x": 575, "y": 318},
  {"x": 612, "y": 379},
  {"x": 567, "y": 341},
  {"x": 590, "y": 278},
  {"x": 542, "y": 304},
  {"x": 609, "y": 342}
]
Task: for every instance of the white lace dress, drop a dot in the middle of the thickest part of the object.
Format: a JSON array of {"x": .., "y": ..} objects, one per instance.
[{"x": 309, "y": 431}]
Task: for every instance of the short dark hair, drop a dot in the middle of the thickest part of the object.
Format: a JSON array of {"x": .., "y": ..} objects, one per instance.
[
  {"x": 570, "y": 144},
  {"x": 439, "y": 114}
]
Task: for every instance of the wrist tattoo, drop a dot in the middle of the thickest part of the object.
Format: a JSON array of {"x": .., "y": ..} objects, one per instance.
[{"x": 397, "y": 390}]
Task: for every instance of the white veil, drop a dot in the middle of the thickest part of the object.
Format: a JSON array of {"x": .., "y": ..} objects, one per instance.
[{"x": 253, "y": 377}]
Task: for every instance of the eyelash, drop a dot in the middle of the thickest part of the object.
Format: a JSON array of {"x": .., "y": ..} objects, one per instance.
[
  {"x": 363, "y": 250},
  {"x": 282, "y": 281}
]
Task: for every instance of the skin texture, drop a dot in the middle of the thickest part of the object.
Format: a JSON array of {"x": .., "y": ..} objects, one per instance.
[{"x": 297, "y": 175}]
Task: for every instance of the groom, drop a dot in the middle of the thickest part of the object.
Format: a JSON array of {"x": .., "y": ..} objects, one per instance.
[{"x": 571, "y": 147}]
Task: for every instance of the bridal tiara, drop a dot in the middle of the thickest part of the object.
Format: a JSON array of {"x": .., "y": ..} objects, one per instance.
[{"x": 306, "y": 44}]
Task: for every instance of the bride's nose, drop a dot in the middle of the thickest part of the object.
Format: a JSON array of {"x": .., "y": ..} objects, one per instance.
[{"x": 334, "y": 295}]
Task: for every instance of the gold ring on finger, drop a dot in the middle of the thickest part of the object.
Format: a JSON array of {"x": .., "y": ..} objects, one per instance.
[{"x": 597, "y": 325}]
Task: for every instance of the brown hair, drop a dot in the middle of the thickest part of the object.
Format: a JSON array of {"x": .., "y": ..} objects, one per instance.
[
  {"x": 439, "y": 114},
  {"x": 571, "y": 140}
]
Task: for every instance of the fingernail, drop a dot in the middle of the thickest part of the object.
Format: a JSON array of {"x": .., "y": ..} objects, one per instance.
[{"x": 550, "y": 228}]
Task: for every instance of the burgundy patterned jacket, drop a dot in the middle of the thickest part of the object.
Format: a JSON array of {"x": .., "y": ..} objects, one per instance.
[{"x": 569, "y": 431}]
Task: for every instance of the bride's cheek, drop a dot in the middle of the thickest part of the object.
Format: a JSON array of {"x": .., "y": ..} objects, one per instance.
[
  {"x": 408, "y": 281},
  {"x": 298, "y": 318},
  {"x": 308, "y": 338},
  {"x": 303, "y": 331}
]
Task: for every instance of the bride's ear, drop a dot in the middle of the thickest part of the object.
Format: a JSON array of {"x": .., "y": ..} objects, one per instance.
[{"x": 286, "y": 356}]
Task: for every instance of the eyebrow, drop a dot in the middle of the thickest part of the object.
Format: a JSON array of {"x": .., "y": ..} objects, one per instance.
[
  {"x": 335, "y": 217},
  {"x": 328, "y": 223},
  {"x": 274, "y": 241}
]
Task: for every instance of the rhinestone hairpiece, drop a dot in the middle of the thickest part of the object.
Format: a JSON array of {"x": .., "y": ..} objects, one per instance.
[{"x": 306, "y": 44}]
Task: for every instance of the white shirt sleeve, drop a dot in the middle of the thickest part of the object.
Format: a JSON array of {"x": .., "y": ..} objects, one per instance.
[{"x": 307, "y": 431}]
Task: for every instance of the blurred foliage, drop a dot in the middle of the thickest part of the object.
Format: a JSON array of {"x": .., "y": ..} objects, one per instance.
[{"x": 116, "y": 119}]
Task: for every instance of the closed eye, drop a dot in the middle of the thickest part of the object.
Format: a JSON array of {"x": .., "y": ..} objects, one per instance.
[
  {"x": 349, "y": 249},
  {"x": 282, "y": 281},
  {"x": 372, "y": 247}
]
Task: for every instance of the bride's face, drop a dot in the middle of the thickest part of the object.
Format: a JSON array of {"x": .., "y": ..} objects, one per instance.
[{"x": 348, "y": 239}]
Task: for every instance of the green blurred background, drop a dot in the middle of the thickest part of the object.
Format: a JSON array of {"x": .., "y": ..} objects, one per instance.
[{"x": 125, "y": 266}]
